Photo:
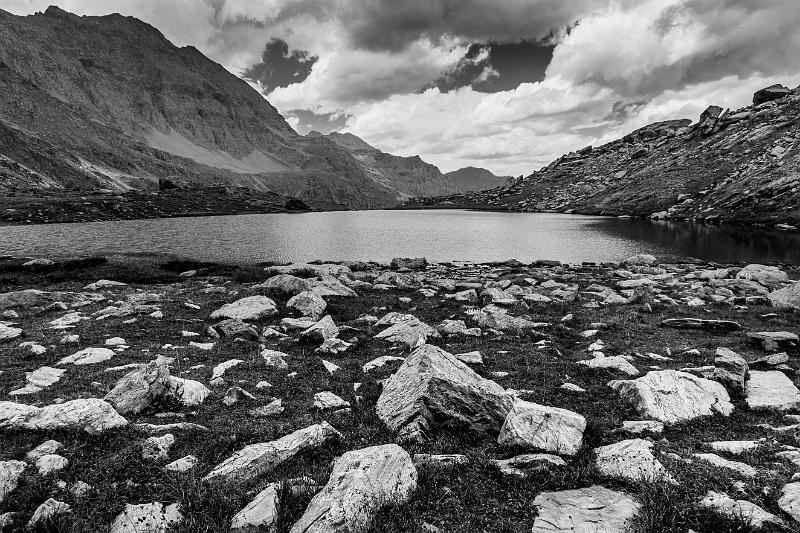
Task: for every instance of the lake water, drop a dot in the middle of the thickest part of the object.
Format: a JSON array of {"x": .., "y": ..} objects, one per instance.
[{"x": 439, "y": 235}]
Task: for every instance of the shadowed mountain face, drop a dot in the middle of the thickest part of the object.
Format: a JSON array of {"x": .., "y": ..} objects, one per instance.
[
  {"x": 108, "y": 103},
  {"x": 729, "y": 166}
]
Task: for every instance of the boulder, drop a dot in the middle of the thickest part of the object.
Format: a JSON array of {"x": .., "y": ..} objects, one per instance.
[
  {"x": 591, "y": 509},
  {"x": 49, "y": 463},
  {"x": 249, "y": 308},
  {"x": 538, "y": 427},
  {"x": 630, "y": 460},
  {"x": 137, "y": 389},
  {"x": 233, "y": 327},
  {"x": 157, "y": 448},
  {"x": 261, "y": 514},
  {"x": 786, "y": 297},
  {"x": 771, "y": 390},
  {"x": 147, "y": 518},
  {"x": 10, "y": 472},
  {"x": 187, "y": 392},
  {"x": 285, "y": 283},
  {"x": 24, "y": 299},
  {"x": 91, "y": 415},
  {"x": 321, "y": 331},
  {"x": 432, "y": 387},
  {"x": 789, "y": 501},
  {"x": 416, "y": 263},
  {"x": 46, "y": 448},
  {"x": 363, "y": 482},
  {"x": 411, "y": 332},
  {"x": 47, "y": 512},
  {"x": 753, "y": 515},
  {"x": 255, "y": 460},
  {"x": 307, "y": 303},
  {"x": 769, "y": 276},
  {"x": 767, "y": 94},
  {"x": 671, "y": 396},
  {"x": 730, "y": 369}
]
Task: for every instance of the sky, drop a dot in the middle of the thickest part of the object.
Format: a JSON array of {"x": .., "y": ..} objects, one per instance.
[{"x": 508, "y": 85}]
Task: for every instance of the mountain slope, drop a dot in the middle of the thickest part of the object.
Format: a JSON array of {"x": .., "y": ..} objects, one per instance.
[
  {"x": 731, "y": 166},
  {"x": 411, "y": 176},
  {"x": 108, "y": 103}
]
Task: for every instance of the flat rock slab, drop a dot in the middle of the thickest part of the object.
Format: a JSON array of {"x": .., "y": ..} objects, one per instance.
[
  {"x": 8, "y": 332},
  {"x": 255, "y": 460},
  {"x": 631, "y": 460},
  {"x": 432, "y": 387},
  {"x": 147, "y": 518},
  {"x": 88, "y": 356},
  {"x": 539, "y": 427},
  {"x": 39, "y": 379},
  {"x": 249, "y": 308},
  {"x": 722, "y": 326},
  {"x": 771, "y": 390},
  {"x": 592, "y": 509},
  {"x": 736, "y": 467},
  {"x": 749, "y": 512},
  {"x": 671, "y": 396},
  {"x": 91, "y": 415},
  {"x": 362, "y": 483}
]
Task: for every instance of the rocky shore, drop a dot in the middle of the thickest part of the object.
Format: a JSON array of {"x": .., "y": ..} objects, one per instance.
[{"x": 367, "y": 397}]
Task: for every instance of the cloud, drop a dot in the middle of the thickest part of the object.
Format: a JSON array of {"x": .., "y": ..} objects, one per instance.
[{"x": 280, "y": 67}]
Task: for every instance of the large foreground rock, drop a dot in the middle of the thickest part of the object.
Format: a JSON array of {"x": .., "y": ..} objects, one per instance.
[
  {"x": 772, "y": 390},
  {"x": 671, "y": 396},
  {"x": 147, "y": 518},
  {"x": 255, "y": 460},
  {"x": 10, "y": 472},
  {"x": 261, "y": 514},
  {"x": 137, "y": 389},
  {"x": 539, "y": 427},
  {"x": 590, "y": 510},
  {"x": 91, "y": 415},
  {"x": 362, "y": 483},
  {"x": 786, "y": 297},
  {"x": 249, "y": 308},
  {"x": 789, "y": 501},
  {"x": 432, "y": 387}
]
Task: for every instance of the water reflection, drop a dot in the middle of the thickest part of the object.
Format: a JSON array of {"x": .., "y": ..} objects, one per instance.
[{"x": 380, "y": 235}]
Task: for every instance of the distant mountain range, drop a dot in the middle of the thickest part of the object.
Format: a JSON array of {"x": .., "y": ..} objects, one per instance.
[
  {"x": 107, "y": 103},
  {"x": 738, "y": 166}
]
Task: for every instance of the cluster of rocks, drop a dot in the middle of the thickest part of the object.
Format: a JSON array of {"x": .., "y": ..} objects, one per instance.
[{"x": 427, "y": 391}]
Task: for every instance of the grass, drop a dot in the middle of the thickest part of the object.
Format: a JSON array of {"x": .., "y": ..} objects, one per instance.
[{"x": 472, "y": 497}]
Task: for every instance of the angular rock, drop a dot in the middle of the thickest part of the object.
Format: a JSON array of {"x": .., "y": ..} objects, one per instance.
[
  {"x": 261, "y": 514},
  {"x": 538, "y": 427},
  {"x": 411, "y": 332},
  {"x": 589, "y": 510},
  {"x": 328, "y": 400},
  {"x": 233, "y": 327},
  {"x": 321, "y": 331},
  {"x": 630, "y": 460},
  {"x": 157, "y": 448},
  {"x": 249, "y": 308},
  {"x": 415, "y": 263},
  {"x": 187, "y": 392},
  {"x": 670, "y": 396},
  {"x": 136, "y": 390},
  {"x": 286, "y": 283},
  {"x": 91, "y": 415},
  {"x": 147, "y": 518},
  {"x": 184, "y": 464},
  {"x": 46, "y": 448},
  {"x": 787, "y": 297},
  {"x": 713, "y": 459},
  {"x": 255, "y": 460},
  {"x": 362, "y": 483},
  {"x": 616, "y": 362},
  {"x": 10, "y": 472},
  {"x": 308, "y": 304},
  {"x": 743, "y": 510},
  {"x": 771, "y": 390},
  {"x": 48, "y": 511},
  {"x": 769, "y": 276},
  {"x": 432, "y": 387},
  {"x": 522, "y": 466},
  {"x": 730, "y": 369},
  {"x": 47, "y": 464}
]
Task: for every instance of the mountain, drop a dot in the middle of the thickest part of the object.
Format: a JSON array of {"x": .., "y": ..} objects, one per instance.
[
  {"x": 108, "y": 104},
  {"x": 470, "y": 179},
  {"x": 730, "y": 166},
  {"x": 411, "y": 176}
]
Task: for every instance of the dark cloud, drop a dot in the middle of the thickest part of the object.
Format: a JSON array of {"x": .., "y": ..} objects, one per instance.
[
  {"x": 498, "y": 67},
  {"x": 279, "y": 67}
]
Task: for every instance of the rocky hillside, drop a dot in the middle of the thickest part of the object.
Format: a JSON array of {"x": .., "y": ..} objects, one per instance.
[
  {"x": 729, "y": 166},
  {"x": 412, "y": 176},
  {"x": 92, "y": 104}
]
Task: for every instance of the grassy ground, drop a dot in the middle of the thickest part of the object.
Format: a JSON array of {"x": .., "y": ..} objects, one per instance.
[{"x": 466, "y": 498}]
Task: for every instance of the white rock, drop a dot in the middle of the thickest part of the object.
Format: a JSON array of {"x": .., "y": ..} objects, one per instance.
[
  {"x": 103, "y": 284},
  {"x": 88, "y": 356},
  {"x": 328, "y": 400},
  {"x": 572, "y": 387},
  {"x": 749, "y": 512},
  {"x": 137, "y": 389},
  {"x": 539, "y": 427},
  {"x": 771, "y": 390},
  {"x": 307, "y": 303},
  {"x": 380, "y": 362},
  {"x": 47, "y": 464},
  {"x": 49, "y": 510},
  {"x": 39, "y": 379},
  {"x": 734, "y": 466},
  {"x": 184, "y": 464},
  {"x": 157, "y": 448},
  {"x": 786, "y": 297},
  {"x": 362, "y": 483},
  {"x": 522, "y": 466},
  {"x": 588, "y": 510},
  {"x": 670, "y": 396},
  {"x": 46, "y": 448},
  {"x": 616, "y": 362},
  {"x": 411, "y": 332},
  {"x": 91, "y": 415},
  {"x": 321, "y": 331},
  {"x": 636, "y": 427},
  {"x": 187, "y": 392},
  {"x": 221, "y": 368},
  {"x": 116, "y": 341},
  {"x": 10, "y": 471},
  {"x": 432, "y": 386},
  {"x": 275, "y": 359},
  {"x": 768, "y": 276},
  {"x": 8, "y": 333},
  {"x": 333, "y": 346},
  {"x": 630, "y": 460},
  {"x": 260, "y": 514},
  {"x": 255, "y": 460},
  {"x": 735, "y": 447},
  {"x": 147, "y": 518},
  {"x": 789, "y": 501},
  {"x": 249, "y": 308}
]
